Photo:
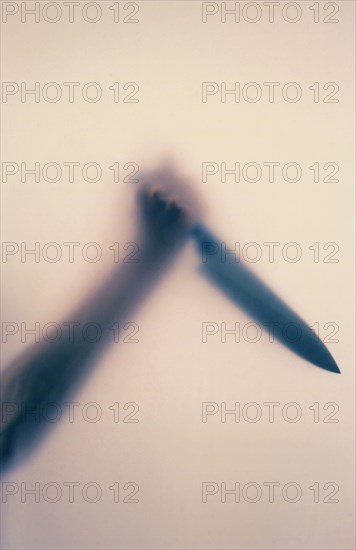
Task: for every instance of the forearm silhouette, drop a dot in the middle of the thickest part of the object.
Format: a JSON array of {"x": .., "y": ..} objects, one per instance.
[{"x": 48, "y": 372}]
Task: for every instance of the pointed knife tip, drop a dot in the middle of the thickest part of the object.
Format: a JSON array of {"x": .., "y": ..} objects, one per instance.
[
  {"x": 331, "y": 366},
  {"x": 336, "y": 369}
]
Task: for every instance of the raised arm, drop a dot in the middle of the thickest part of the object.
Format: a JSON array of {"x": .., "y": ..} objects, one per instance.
[{"x": 47, "y": 372}]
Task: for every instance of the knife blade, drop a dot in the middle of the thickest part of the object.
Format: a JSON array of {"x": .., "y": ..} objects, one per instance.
[{"x": 253, "y": 296}]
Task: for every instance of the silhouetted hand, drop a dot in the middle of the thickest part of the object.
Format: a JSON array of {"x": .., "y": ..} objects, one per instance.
[{"x": 167, "y": 208}]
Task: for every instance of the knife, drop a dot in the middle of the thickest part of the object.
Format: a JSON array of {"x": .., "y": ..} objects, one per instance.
[{"x": 252, "y": 295}]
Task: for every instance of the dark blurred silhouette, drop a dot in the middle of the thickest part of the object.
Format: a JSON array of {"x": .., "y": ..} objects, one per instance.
[
  {"x": 167, "y": 215},
  {"x": 260, "y": 302},
  {"x": 49, "y": 372}
]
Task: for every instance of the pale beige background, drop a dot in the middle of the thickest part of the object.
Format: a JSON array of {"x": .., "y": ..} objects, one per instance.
[{"x": 170, "y": 372}]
